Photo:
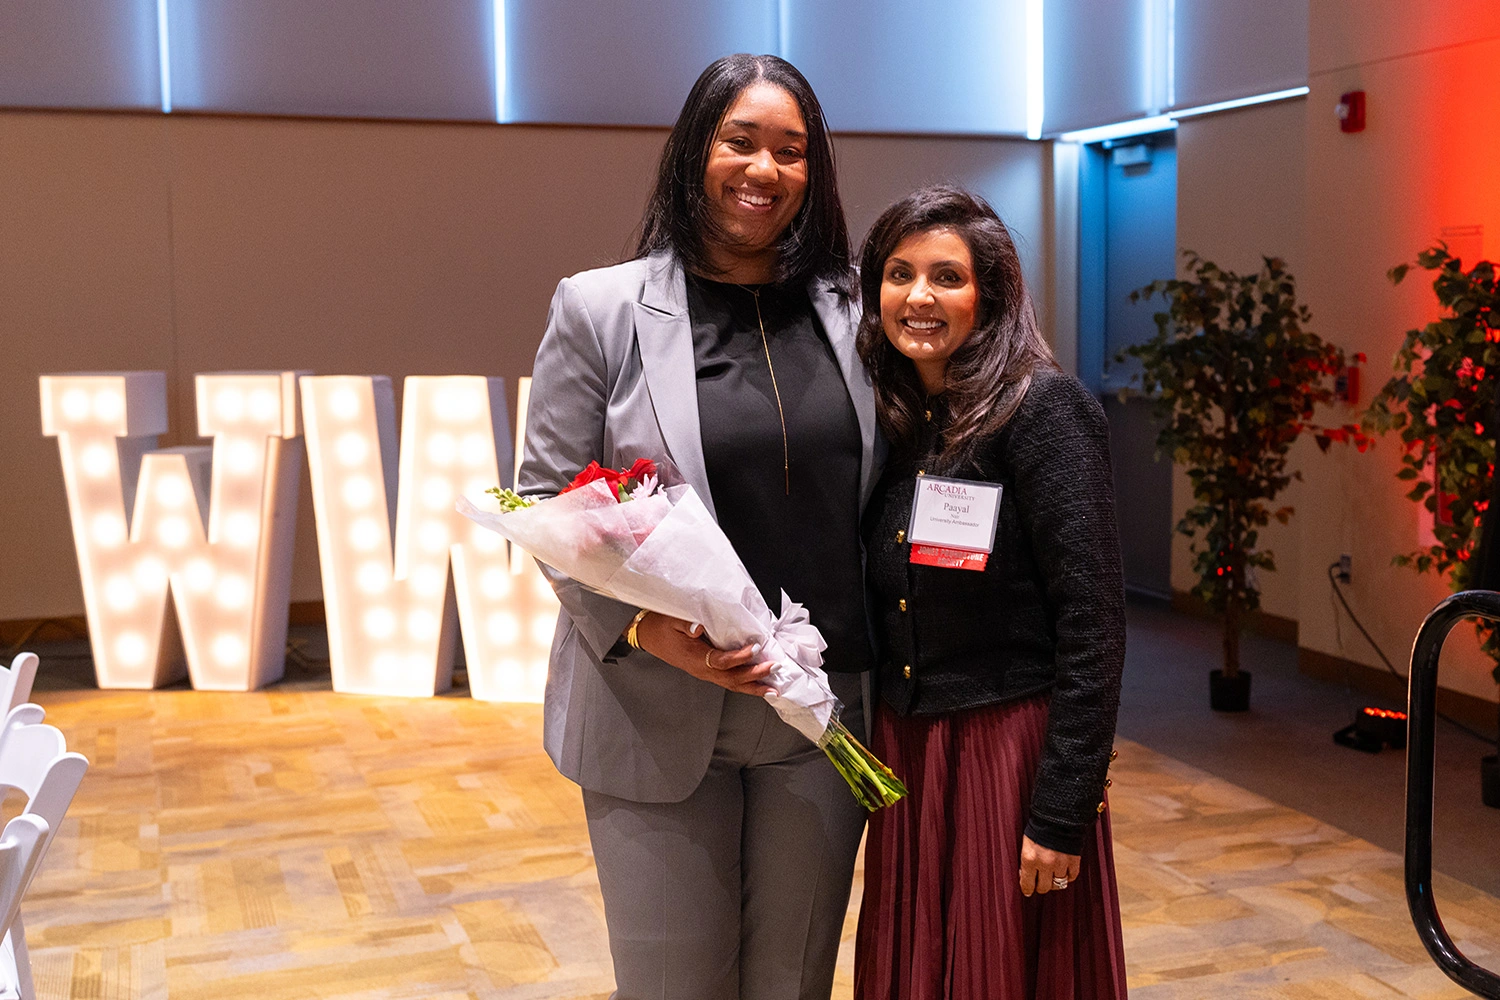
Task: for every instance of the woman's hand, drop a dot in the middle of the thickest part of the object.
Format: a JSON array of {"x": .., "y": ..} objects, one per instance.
[
  {"x": 1039, "y": 866},
  {"x": 681, "y": 644}
]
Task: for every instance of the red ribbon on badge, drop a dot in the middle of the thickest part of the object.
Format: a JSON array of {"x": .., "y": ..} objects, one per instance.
[{"x": 936, "y": 555}]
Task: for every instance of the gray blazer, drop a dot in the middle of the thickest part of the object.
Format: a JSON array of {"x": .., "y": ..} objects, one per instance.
[{"x": 615, "y": 381}]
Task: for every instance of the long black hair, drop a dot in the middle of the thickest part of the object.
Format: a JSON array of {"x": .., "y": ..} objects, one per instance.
[
  {"x": 989, "y": 374},
  {"x": 815, "y": 244}
]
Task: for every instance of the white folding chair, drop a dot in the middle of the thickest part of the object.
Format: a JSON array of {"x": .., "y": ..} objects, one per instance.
[
  {"x": 28, "y": 714},
  {"x": 15, "y": 681},
  {"x": 34, "y": 760},
  {"x": 21, "y": 848}
]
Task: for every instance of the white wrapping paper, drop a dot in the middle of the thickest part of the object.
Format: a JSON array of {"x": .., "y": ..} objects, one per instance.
[{"x": 666, "y": 553}]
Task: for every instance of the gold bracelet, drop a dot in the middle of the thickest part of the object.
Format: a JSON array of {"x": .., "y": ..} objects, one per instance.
[{"x": 635, "y": 623}]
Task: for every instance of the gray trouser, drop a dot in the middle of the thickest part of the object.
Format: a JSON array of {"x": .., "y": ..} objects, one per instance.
[{"x": 739, "y": 891}]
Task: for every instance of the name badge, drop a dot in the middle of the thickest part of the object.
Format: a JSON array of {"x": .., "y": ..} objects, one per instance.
[{"x": 953, "y": 522}]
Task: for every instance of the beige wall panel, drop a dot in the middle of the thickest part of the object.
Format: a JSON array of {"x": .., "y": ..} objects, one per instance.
[
  {"x": 388, "y": 248},
  {"x": 85, "y": 283},
  {"x": 1347, "y": 33},
  {"x": 206, "y": 243},
  {"x": 1241, "y": 196},
  {"x": 1012, "y": 174},
  {"x": 1377, "y": 198}
]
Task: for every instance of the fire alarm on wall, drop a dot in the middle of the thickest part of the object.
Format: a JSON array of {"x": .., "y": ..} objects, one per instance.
[{"x": 1351, "y": 111}]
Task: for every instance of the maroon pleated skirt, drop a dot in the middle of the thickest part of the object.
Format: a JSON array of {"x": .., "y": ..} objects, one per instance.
[{"x": 943, "y": 917}]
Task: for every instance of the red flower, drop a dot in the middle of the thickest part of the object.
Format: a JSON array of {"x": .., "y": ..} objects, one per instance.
[
  {"x": 616, "y": 478},
  {"x": 593, "y": 472}
]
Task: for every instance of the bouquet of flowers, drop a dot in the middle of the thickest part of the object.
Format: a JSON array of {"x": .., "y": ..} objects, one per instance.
[{"x": 621, "y": 534}]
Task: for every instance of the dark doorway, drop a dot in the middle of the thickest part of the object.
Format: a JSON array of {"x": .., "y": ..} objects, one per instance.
[{"x": 1129, "y": 238}]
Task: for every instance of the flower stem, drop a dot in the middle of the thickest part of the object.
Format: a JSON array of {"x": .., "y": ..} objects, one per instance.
[{"x": 872, "y": 782}]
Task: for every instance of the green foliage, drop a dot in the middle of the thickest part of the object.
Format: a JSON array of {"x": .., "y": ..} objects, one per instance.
[
  {"x": 509, "y": 499},
  {"x": 1442, "y": 401},
  {"x": 1235, "y": 379}
]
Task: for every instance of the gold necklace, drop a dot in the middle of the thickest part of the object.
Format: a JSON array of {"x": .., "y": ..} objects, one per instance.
[{"x": 786, "y": 451}]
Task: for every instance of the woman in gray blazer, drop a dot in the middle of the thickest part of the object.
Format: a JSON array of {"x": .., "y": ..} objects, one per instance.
[{"x": 724, "y": 840}]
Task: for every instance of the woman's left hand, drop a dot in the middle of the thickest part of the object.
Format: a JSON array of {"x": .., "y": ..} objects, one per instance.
[{"x": 1039, "y": 866}]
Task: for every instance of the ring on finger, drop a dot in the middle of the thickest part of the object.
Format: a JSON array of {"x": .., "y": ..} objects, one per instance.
[
  {"x": 1058, "y": 882},
  {"x": 706, "y": 659}
]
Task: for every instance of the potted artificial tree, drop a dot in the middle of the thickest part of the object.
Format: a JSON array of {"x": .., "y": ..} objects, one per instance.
[
  {"x": 1235, "y": 380},
  {"x": 1443, "y": 401}
]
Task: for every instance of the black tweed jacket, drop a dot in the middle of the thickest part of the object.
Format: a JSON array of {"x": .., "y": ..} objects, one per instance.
[{"x": 1047, "y": 614}]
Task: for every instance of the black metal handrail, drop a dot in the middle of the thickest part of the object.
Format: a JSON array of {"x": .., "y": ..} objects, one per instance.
[{"x": 1421, "y": 711}]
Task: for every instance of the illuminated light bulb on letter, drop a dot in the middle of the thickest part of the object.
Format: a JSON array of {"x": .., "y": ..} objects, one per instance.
[
  {"x": 380, "y": 623},
  {"x": 97, "y": 461},
  {"x": 107, "y": 530},
  {"x": 352, "y": 448},
  {"x": 119, "y": 593},
  {"x": 241, "y": 529},
  {"x": 229, "y": 404},
  {"x": 373, "y": 578},
  {"x": 344, "y": 404},
  {"x": 199, "y": 575},
  {"x": 359, "y": 492},
  {"x": 109, "y": 406},
  {"x": 495, "y": 581},
  {"x": 422, "y": 624},
  {"x": 429, "y": 580},
  {"x": 504, "y": 628},
  {"x": 131, "y": 649},
  {"x": 441, "y": 448},
  {"x": 433, "y": 536},
  {"x": 485, "y": 541},
  {"x": 364, "y": 534},
  {"x": 232, "y": 593},
  {"x": 229, "y": 650},
  {"x": 173, "y": 532},
  {"x": 476, "y": 449},
  {"x": 150, "y": 573},
  {"x": 172, "y": 491},
  {"x": 241, "y": 457},
  {"x": 75, "y": 404},
  {"x": 265, "y": 405},
  {"x": 437, "y": 494},
  {"x": 388, "y": 670}
]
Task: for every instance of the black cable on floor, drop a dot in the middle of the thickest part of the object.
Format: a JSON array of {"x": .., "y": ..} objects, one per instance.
[{"x": 1338, "y": 591}]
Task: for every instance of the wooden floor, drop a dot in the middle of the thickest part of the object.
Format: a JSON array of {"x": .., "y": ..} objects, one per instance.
[{"x": 297, "y": 843}]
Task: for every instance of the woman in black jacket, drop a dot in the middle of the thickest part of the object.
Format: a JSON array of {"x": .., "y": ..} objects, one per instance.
[{"x": 1001, "y": 619}]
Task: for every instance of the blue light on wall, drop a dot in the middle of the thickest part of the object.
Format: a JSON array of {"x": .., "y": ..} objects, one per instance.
[
  {"x": 164, "y": 55},
  {"x": 497, "y": 13},
  {"x": 1036, "y": 104}
]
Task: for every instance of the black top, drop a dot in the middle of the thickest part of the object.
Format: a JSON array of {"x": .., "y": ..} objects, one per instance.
[
  {"x": 795, "y": 524},
  {"x": 1046, "y": 614}
]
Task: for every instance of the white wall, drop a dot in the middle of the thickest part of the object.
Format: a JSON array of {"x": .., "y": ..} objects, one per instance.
[
  {"x": 1241, "y": 196},
  {"x": 1427, "y": 160}
]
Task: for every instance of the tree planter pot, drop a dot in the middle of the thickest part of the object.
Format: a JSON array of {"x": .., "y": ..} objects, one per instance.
[
  {"x": 1229, "y": 694},
  {"x": 1489, "y": 781}
]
